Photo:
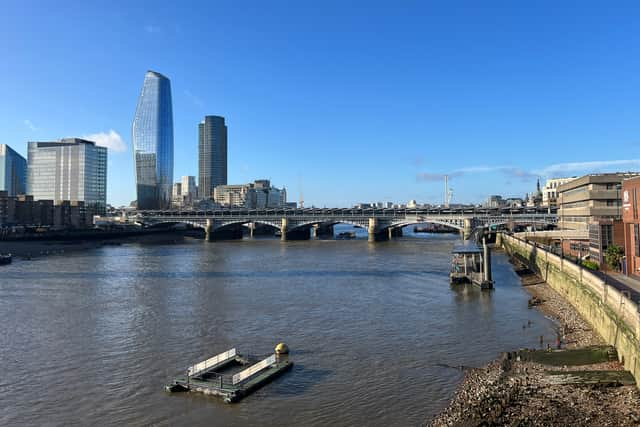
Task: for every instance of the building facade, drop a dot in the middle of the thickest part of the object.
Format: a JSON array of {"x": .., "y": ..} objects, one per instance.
[
  {"x": 13, "y": 171},
  {"x": 189, "y": 189},
  {"x": 494, "y": 201},
  {"x": 550, "y": 190},
  {"x": 257, "y": 195},
  {"x": 631, "y": 225},
  {"x": 24, "y": 211},
  {"x": 152, "y": 136},
  {"x": 70, "y": 169},
  {"x": 212, "y": 155},
  {"x": 589, "y": 199},
  {"x": 602, "y": 234}
]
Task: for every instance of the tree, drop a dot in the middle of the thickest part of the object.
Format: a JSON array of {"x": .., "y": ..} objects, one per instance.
[{"x": 613, "y": 256}]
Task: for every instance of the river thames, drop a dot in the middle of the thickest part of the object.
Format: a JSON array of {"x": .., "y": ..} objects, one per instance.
[{"x": 93, "y": 336}]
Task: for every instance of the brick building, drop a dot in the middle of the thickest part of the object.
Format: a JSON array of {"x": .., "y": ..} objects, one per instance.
[{"x": 630, "y": 218}]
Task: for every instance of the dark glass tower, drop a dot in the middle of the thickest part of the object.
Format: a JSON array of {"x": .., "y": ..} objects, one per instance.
[
  {"x": 212, "y": 155},
  {"x": 152, "y": 136}
]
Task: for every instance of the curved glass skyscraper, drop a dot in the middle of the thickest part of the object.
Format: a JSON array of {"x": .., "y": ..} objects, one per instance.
[{"x": 152, "y": 136}]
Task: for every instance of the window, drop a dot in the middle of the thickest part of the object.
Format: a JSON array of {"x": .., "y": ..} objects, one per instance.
[{"x": 636, "y": 239}]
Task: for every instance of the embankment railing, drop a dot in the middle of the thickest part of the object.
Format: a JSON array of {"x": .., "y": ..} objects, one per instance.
[{"x": 624, "y": 308}]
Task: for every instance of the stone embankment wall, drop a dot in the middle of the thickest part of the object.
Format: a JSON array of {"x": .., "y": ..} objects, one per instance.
[{"x": 614, "y": 316}]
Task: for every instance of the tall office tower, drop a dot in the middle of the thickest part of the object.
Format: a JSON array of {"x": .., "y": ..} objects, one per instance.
[
  {"x": 189, "y": 188},
  {"x": 212, "y": 155},
  {"x": 152, "y": 135},
  {"x": 13, "y": 171},
  {"x": 70, "y": 169}
]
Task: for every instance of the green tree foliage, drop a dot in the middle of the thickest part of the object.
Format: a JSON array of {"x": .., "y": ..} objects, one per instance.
[
  {"x": 613, "y": 256},
  {"x": 591, "y": 265}
]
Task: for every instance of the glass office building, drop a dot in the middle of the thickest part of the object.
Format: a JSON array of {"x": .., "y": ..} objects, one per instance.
[
  {"x": 13, "y": 171},
  {"x": 71, "y": 169},
  {"x": 152, "y": 136},
  {"x": 212, "y": 155}
]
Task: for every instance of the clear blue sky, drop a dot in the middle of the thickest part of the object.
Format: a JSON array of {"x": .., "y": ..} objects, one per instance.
[{"x": 358, "y": 101}]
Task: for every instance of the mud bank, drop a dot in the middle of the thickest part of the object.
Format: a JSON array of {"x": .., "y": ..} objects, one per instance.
[{"x": 516, "y": 390}]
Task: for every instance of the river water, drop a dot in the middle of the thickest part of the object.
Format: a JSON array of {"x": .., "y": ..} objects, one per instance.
[{"x": 92, "y": 337}]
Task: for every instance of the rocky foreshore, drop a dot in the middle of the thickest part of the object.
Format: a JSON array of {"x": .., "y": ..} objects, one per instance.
[{"x": 513, "y": 390}]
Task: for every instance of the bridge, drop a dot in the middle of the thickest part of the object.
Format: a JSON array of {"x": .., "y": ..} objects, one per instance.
[{"x": 381, "y": 224}]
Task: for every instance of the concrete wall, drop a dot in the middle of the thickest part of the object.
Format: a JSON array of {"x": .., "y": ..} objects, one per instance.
[{"x": 611, "y": 314}]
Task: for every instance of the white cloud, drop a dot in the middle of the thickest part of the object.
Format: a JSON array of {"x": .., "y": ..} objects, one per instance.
[
  {"x": 30, "y": 125},
  {"x": 112, "y": 140},
  {"x": 151, "y": 29},
  {"x": 593, "y": 166}
]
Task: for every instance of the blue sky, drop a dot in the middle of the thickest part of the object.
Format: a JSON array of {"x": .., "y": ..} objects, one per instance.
[{"x": 352, "y": 101}]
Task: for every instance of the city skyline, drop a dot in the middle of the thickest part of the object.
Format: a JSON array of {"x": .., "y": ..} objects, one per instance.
[{"x": 408, "y": 104}]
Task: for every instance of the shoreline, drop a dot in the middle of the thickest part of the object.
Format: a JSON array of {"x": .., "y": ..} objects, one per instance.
[
  {"x": 514, "y": 390},
  {"x": 31, "y": 249}
]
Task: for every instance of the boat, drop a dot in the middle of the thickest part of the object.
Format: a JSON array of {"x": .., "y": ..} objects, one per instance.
[
  {"x": 5, "y": 259},
  {"x": 346, "y": 235}
]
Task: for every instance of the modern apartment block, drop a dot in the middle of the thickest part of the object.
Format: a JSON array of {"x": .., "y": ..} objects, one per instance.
[
  {"x": 13, "y": 171},
  {"x": 152, "y": 135},
  {"x": 589, "y": 199},
  {"x": 71, "y": 169},
  {"x": 212, "y": 155}
]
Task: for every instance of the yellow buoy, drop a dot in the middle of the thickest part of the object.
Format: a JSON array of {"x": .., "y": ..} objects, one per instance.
[{"x": 282, "y": 348}]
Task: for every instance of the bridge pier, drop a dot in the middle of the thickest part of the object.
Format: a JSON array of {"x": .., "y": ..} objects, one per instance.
[
  {"x": 468, "y": 228},
  {"x": 376, "y": 232},
  {"x": 284, "y": 229},
  {"x": 208, "y": 230},
  {"x": 323, "y": 231},
  {"x": 252, "y": 229},
  {"x": 395, "y": 232},
  {"x": 373, "y": 228}
]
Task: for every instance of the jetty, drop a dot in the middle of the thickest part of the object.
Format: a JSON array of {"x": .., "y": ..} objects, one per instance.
[
  {"x": 471, "y": 264},
  {"x": 232, "y": 376}
]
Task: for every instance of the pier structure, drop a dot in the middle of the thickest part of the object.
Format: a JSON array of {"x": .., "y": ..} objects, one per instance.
[
  {"x": 381, "y": 224},
  {"x": 472, "y": 264},
  {"x": 230, "y": 375}
]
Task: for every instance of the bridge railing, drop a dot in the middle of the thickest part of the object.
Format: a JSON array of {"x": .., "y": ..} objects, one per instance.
[{"x": 372, "y": 212}]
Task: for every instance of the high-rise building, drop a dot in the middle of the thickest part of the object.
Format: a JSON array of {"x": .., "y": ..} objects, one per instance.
[
  {"x": 70, "y": 169},
  {"x": 152, "y": 135},
  {"x": 189, "y": 187},
  {"x": 13, "y": 171},
  {"x": 189, "y": 190},
  {"x": 212, "y": 155}
]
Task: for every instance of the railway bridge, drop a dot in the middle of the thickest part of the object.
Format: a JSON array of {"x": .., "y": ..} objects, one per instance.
[{"x": 381, "y": 224}]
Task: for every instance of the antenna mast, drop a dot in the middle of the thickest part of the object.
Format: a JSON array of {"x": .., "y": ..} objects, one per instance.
[
  {"x": 447, "y": 192},
  {"x": 301, "y": 202}
]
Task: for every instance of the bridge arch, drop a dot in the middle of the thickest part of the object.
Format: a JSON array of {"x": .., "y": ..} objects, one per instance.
[
  {"x": 326, "y": 222},
  {"x": 196, "y": 224},
  {"x": 406, "y": 223},
  {"x": 218, "y": 225}
]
